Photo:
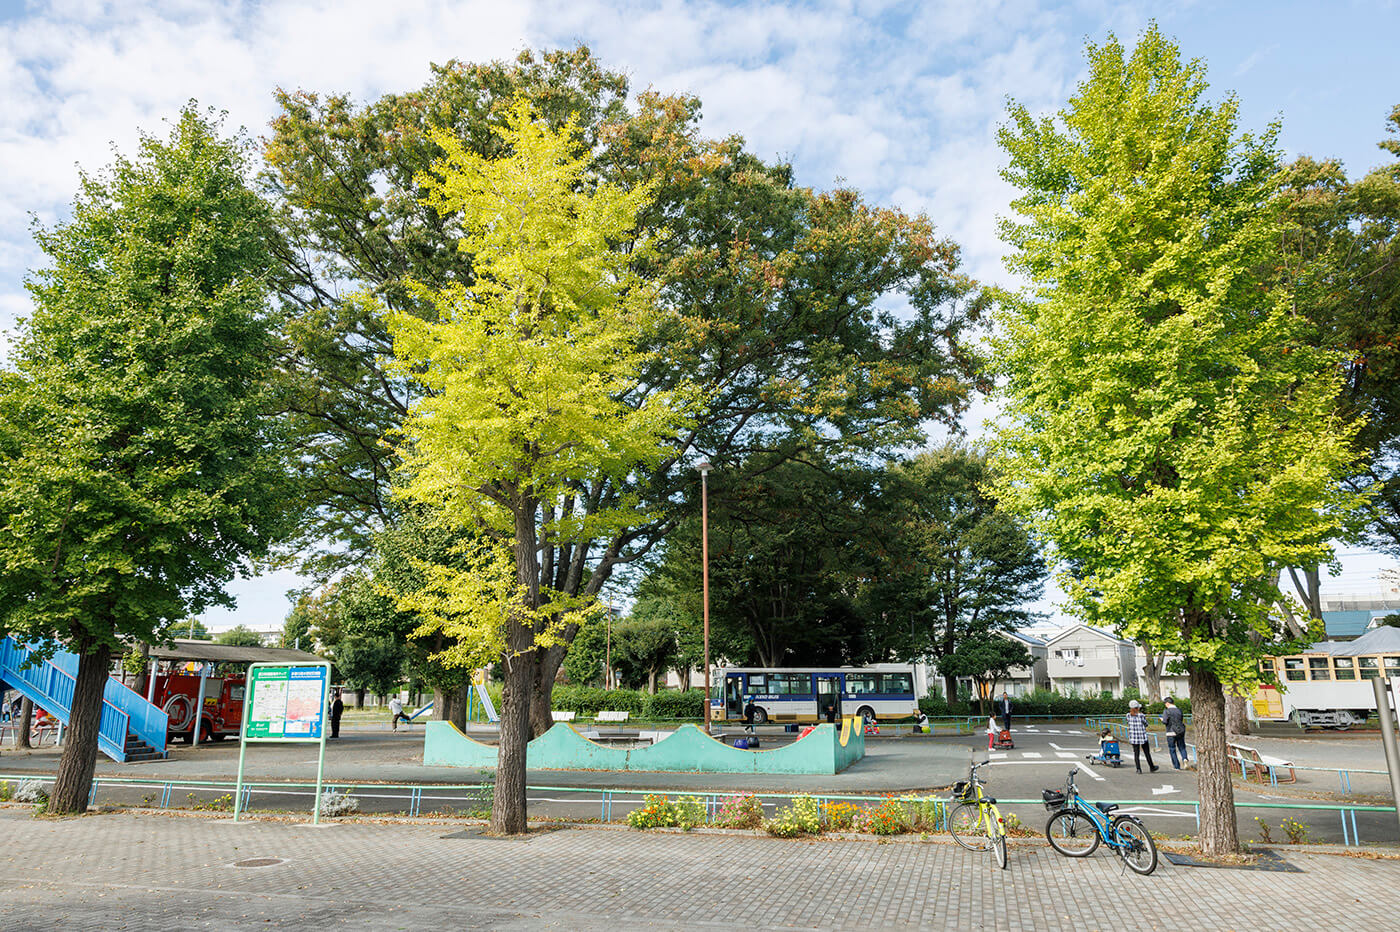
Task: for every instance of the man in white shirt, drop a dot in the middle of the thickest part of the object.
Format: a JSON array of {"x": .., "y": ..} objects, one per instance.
[{"x": 396, "y": 710}]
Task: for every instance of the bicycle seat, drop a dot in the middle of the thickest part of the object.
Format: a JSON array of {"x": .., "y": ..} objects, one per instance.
[{"x": 1106, "y": 808}]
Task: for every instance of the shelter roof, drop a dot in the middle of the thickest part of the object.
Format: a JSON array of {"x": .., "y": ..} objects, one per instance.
[
  {"x": 1379, "y": 640},
  {"x": 185, "y": 649}
]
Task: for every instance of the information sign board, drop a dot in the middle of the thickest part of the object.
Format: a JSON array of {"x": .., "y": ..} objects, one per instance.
[{"x": 285, "y": 702}]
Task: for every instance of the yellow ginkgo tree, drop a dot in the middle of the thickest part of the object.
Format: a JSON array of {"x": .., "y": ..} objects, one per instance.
[{"x": 529, "y": 387}]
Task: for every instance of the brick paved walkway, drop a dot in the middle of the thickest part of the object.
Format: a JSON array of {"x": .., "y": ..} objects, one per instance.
[{"x": 122, "y": 871}]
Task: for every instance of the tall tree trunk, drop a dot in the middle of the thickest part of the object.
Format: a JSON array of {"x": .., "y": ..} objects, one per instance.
[
  {"x": 1153, "y": 664},
  {"x": 651, "y": 682},
  {"x": 1218, "y": 832},
  {"x": 1236, "y": 714},
  {"x": 546, "y": 669},
  {"x": 25, "y": 724},
  {"x": 74, "y": 780},
  {"x": 508, "y": 813}
]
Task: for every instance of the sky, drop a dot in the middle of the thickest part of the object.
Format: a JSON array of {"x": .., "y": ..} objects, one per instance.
[{"x": 900, "y": 100}]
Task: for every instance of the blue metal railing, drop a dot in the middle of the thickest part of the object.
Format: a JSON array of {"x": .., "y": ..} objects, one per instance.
[{"x": 50, "y": 683}]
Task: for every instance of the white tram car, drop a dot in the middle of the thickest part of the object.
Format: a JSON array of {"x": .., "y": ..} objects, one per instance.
[{"x": 1330, "y": 685}]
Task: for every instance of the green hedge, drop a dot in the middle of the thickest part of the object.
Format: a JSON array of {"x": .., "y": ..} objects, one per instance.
[
  {"x": 1046, "y": 703},
  {"x": 666, "y": 704}
]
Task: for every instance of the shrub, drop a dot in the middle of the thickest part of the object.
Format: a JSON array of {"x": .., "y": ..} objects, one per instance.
[
  {"x": 690, "y": 812},
  {"x": 888, "y": 818},
  {"x": 803, "y": 817},
  {"x": 1296, "y": 831},
  {"x": 740, "y": 811},
  {"x": 338, "y": 804},
  {"x": 841, "y": 816},
  {"x": 925, "y": 813},
  {"x": 656, "y": 812},
  {"x": 7, "y": 792},
  {"x": 670, "y": 703}
]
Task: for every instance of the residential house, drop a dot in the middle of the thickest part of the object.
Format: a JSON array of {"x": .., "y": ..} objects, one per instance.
[{"x": 1083, "y": 660}]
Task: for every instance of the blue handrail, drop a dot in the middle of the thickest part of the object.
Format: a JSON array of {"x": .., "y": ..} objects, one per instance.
[{"x": 50, "y": 683}]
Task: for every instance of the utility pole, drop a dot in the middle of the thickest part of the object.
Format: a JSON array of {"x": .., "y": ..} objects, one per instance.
[
  {"x": 1392, "y": 751},
  {"x": 704, "y": 468}
]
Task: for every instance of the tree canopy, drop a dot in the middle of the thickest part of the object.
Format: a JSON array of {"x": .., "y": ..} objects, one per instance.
[
  {"x": 140, "y": 466},
  {"x": 1173, "y": 431}
]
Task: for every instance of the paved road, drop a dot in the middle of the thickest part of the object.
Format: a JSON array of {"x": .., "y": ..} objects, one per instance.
[
  {"x": 893, "y": 765},
  {"x": 175, "y": 873}
]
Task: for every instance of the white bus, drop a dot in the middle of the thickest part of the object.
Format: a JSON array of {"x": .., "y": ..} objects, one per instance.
[{"x": 813, "y": 694}]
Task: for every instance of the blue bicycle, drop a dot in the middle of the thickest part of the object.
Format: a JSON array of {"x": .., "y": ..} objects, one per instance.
[{"x": 1078, "y": 826}]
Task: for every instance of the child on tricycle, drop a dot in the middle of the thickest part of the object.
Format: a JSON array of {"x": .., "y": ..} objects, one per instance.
[{"x": 1108, "y": 750}]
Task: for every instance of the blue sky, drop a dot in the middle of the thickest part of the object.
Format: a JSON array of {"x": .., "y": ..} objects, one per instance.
[{"x": 900, "y": 100}]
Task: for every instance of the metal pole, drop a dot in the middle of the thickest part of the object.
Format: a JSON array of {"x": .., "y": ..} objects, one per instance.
[
  {"x": 1392, "y": 752},
  {"x": 705, "y": 574},
  {"x": 199, "y": 706},
  {"x": 151, "y": 687},
  {"x": 607, "y": 659}
]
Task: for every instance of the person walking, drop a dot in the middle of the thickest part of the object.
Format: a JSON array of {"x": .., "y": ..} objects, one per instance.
[
  {"x": 1137, "y": 736},
  {"x": 1175, "y": 725},
  {"x": 1004, "y": 707},
  {"x": 396, "y": 710},
  {"x": 337, "y": 709}
]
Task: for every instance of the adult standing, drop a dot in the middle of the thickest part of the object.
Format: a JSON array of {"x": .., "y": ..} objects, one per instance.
[
  {"x": 337, "y": 709},
  {"x": 1004, "y": 707},
  {"x": 1175, "y": 725},
  {"x": 1137, "y": 736}
]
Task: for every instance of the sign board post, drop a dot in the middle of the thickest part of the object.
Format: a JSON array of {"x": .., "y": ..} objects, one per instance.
[{"x": 285, "y": 703}]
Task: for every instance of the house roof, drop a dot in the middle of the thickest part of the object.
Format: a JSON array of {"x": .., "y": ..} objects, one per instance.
[
  {"x": 1381, "y": 640},
  {"x": 185, "y": 649},
  {"x": 1027, "y": 638},
  {"x": 1090, "y": 628}
]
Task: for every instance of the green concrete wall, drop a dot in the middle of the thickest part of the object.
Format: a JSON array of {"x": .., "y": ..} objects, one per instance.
[{"x": 826, "y": 749}]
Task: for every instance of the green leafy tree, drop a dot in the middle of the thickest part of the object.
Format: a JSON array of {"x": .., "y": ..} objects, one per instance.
[
  {"x": 306, "y": 623},
  {"x": 1340, "y": 251},
  {"x": 645, "y": 646},
  {"x": 950, "y": 564},
  {"x": 588, "y": 653},
  {"x": 812, "y": 323},
  {"x": 1172, "y": 430},
  {"x": 239, "y": 636},
  {"x": 139, "y": 470},
  {"x": 522, "y": 384},
  {"x": 985, "y": 655},
  {"x": 372, "y": 663}
]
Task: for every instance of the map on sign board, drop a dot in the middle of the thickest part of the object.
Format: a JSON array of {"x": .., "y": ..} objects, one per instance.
[{"x": 287, "y": 703}]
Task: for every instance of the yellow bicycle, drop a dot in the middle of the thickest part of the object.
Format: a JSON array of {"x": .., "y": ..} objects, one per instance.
[{"x": 976, "y": 823}]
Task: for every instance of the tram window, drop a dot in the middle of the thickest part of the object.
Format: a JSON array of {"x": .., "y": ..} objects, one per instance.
[
  {"x": 1370, "y": 668},
  {"x": 1266, "y": 666},
  {"x": 1346, "y": 668},
  {"x": 1392, "y": 666},
  {"x": 1293, "y": 668},
  {"x": 1319, "y": 668}
]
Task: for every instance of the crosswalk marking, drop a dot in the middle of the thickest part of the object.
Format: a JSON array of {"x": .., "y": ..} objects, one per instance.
[
  {"x": 1066, "y": 755},
  {"x": 1031, "y": 754}
]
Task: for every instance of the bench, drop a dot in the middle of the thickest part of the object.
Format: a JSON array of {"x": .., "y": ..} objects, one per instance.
[
  {"x": 611, "y": 716},
  {"x": 1267, "y": 768},
  {"x": 562, "y": 716}
]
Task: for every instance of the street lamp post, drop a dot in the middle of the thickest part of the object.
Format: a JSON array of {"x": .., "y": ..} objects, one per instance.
[{"x": 704, "y": 467}]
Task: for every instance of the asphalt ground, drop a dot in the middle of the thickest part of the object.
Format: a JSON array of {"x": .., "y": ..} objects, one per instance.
[
  {"x": 369, "y": 755},
  {"x": 133, "y": 871}
]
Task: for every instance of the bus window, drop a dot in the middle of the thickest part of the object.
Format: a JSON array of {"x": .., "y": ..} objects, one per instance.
[
  {"x": 897, "y": 683},
  {"x": 1293, "y": 668},
  {"x": 790, "y": 684},
  {"x": 1346, "y": 668},
  {"x": 758, "y": 682},
  {"x": 1319, "y": 668},
  {"x": 1370, "y": 668},
  {"x": 860, "y": 684}
]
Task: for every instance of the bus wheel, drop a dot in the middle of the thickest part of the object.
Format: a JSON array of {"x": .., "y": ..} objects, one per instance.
[
  {"x": 760, "y": 717},
  {"x": 866, "y": 713}
]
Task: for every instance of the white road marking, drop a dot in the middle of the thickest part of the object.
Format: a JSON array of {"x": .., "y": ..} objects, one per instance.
[
  {"x": 1066, "y": 754},
  {"x": 1164, "y": 789},
  {"x": 1159, "y": 813},
  {"x": 1031, "y": 754},
  {"x": 1040, "y": 763},
  {"x": 996, "y": 755},
  {"x": 1058, "y": 748}
]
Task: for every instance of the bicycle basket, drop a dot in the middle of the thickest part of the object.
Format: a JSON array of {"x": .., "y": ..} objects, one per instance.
[
  {"x": 1054, "y": 799},
  {"x": 962, "y": 790}
]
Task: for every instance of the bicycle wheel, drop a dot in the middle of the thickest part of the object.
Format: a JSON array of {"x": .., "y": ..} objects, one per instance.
[
  {"x": 966, "y": 826},
  {"x": 1135, "y": 844},
  {"x": 999, "y": 847},
  {"x": 1072, "y": 833}
]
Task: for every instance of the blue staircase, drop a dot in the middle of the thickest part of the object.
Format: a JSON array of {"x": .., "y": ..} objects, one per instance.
[{"x": 131, "y": 729}]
